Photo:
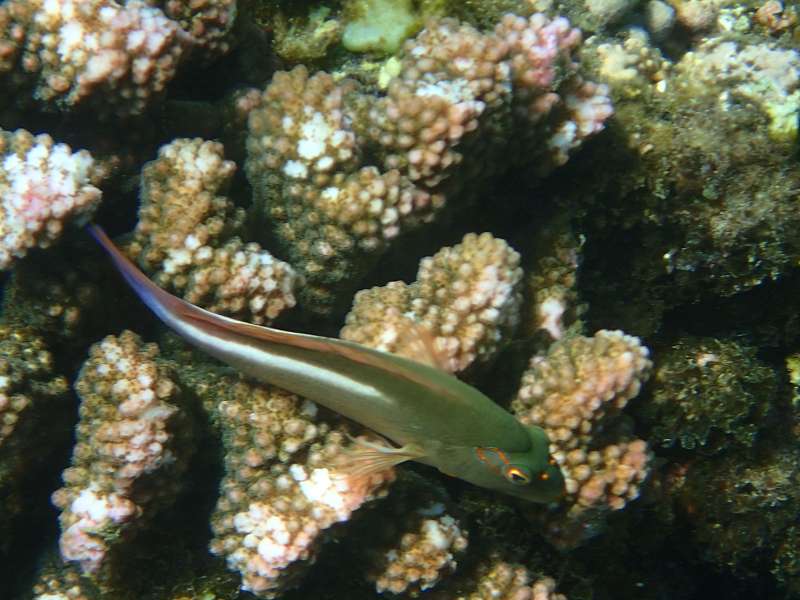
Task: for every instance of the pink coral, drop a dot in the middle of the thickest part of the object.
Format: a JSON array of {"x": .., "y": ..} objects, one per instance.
[
  {"x": 281, "y": 491},
  {"x": 43, "y": 187},
  {"x": 341, "y": 173},
  {"x": 114, "y": 57},
  {"x": 573, "y": 392},
  {"x": 186, "y": 237},
  {"x": 423, "y": 555},
  {"x": 497, "y": 579},
  {"x": 547, "y": 88},
  {"x": 127, "y": 454},
  {"x": 466, "y": 297}
]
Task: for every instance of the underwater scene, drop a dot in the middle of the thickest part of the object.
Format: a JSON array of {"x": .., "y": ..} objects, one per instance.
[{"x": 392, "y": 299}]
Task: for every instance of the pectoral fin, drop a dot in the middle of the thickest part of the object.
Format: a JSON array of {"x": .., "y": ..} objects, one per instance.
[{"x": 366, "y": 457}]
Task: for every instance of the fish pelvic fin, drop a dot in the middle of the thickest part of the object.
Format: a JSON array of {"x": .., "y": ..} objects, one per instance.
[{"x": 365, "y": 457}]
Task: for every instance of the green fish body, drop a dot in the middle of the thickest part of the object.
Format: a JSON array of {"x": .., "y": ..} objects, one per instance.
[{"x": 433, "y": 416}]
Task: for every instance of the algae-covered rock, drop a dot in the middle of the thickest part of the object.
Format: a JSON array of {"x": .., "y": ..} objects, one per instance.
[
  {"x": 708, "y": 394},
  {"x": 701, "y": 201},
  {"x": 743, "y": 509}
]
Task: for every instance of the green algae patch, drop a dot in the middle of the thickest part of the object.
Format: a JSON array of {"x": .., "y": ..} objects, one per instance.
[
  {"x": 379, "y": 25},
  {"x": 709, "y": 394}
]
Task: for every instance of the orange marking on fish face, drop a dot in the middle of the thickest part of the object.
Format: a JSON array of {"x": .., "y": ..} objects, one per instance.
[{"x": 492, "y": 457}]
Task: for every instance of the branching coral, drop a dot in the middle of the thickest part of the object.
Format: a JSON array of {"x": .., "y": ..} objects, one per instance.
[
  {"x": 185, "y": 237},
  {"x": 303, "y": 162},
  {"x": 43, "y": 186},
  {"x": 133, "y": 442},
  {"x": 425, "y": 552},
  {"x": 114, "y": 57},
  {"x": 339, "y": 173},
  {"x": 466, "y": 297},
  {"x": 573, "y": 393},
  {"x": 421, "y": 556},
  {"x": 281, "y": 490}
]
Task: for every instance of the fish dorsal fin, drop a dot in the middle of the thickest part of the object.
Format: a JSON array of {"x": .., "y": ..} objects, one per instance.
[
  {"x": 417, "y": 343},
  {"x": 348, "y": 350},
  {"x": 365, "y": 457},
  {"x": 176, "y": 312}
]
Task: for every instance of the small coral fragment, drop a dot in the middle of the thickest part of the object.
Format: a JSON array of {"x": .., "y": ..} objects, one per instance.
[
  {"x": 631, "y": 66},
  {"x": 424, "y": 553},
  {"x": 209, "y": 22},
  {"x": 185, "y": 237},
  {"x": 497, "y": 579},
  {"x": 552, "y": 284}
]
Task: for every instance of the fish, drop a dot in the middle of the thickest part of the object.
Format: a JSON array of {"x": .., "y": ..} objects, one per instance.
[{"x": 430, "y": 415}]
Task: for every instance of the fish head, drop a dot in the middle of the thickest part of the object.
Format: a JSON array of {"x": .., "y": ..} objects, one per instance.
[{"x": 531, "y": 474}]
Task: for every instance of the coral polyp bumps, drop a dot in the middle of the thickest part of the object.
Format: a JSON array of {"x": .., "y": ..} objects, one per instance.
[
  {"x": 304, "y": 202},
  {"x": 339, "y": 173}
]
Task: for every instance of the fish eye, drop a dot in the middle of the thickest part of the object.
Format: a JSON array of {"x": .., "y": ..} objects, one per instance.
[{"x": 517, "y": 476}]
